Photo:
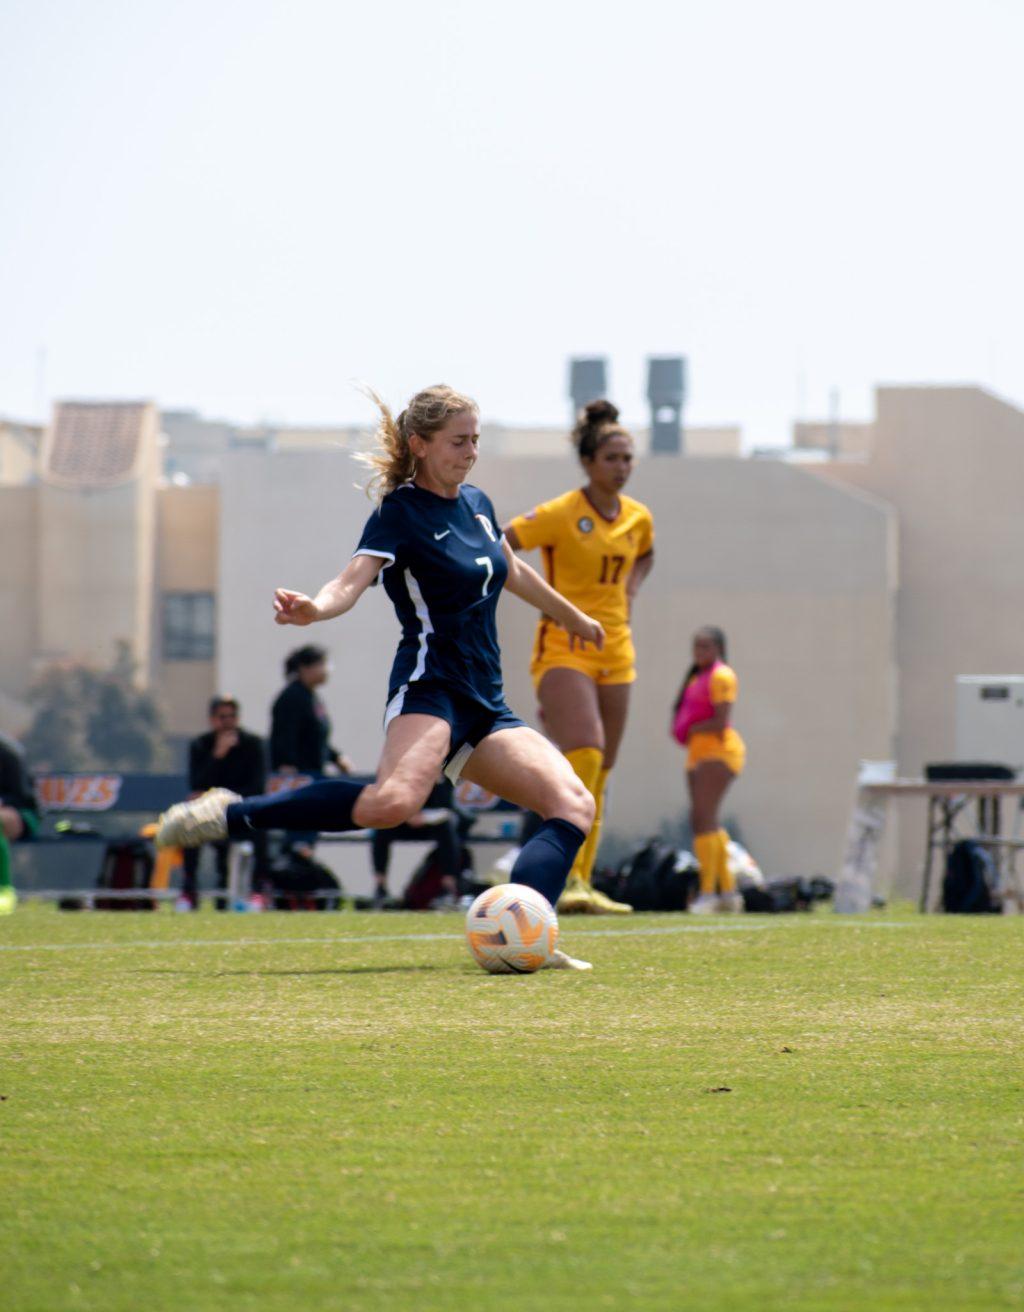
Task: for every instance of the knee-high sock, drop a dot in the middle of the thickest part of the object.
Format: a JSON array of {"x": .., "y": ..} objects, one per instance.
[
  {"x": 726, "y": 879},
  {"x": 706, "y": 850},
  {"x": 583, "y": 866},
  {"x": 325, "y": 805},
  {"x": 586, "y": 761},
  {"x": 5, "y": 861},
  {"x": 546, "y": 858}
]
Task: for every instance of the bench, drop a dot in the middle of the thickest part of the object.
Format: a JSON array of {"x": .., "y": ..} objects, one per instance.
[{"x": 109, "y": 806}]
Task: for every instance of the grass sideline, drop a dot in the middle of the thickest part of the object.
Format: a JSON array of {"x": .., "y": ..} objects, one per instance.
[{"x": 342, "y": 1112}]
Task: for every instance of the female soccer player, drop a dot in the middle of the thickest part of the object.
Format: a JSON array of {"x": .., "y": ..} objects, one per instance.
[
  {"x": 444, "y": 564},
  {"x": 598, "y": 547},
  {"x": 716, "y": 754}
]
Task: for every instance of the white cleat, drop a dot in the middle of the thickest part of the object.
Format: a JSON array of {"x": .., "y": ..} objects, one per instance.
[
  {"x": 706, "y": 904},
  {"x": 203, "y": 820},
  {"x": 731, "y": 902},
  {"x": 562, "y": 961}
]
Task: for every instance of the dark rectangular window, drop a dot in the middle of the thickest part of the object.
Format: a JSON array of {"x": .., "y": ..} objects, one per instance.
[{"x": 188, "y": 626}]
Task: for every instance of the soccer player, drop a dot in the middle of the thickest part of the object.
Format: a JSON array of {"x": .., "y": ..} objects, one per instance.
[
  {"x": 598, "y": 547},
  {"x": 444, "y": 563},
  {"x": 715, "y": 756}
]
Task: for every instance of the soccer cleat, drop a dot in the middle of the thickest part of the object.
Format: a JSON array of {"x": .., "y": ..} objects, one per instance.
[
  {"x": 731, "y": 902},
  {"x": 8, "y": 900},
  {"x": 603, "y": 905},
  {"x": 562, "y": 961},
  {"x": 575, "y": 899},
  {"x": 203, "y": 820},
  {"x": 706, "y": 904}
]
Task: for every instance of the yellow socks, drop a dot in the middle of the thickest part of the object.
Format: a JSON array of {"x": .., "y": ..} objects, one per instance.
[
  {"x": 587, "y": 854},
  {"x": 707, "y": 850},
  {"x": 586, "y": 761},
  {"x": 726, "y": 879}
]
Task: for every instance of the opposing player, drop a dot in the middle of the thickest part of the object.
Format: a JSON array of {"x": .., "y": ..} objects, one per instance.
[
  {"x": 598, "y": 547},
  {"x": 715, "y": 756},
  {"x": 444, "y": 564}
]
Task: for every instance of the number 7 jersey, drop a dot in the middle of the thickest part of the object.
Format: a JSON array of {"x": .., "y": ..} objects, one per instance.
[
  {"x": 587, "y": 557},
  {"x": 444, "y": 569}
]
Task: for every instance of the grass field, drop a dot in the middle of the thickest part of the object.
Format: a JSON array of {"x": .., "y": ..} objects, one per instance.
[{"x": 342, "y": 1112}]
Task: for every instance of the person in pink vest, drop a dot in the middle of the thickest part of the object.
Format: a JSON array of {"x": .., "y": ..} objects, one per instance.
[{"x": 715, "y": 756}]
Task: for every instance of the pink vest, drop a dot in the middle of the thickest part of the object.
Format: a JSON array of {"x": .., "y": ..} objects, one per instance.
[{"x": 696, "y": 704}]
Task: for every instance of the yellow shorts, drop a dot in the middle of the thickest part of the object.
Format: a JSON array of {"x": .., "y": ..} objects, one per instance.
[
  {"x": 727, "y": 747},
  {"x": 553, "y": 649}
]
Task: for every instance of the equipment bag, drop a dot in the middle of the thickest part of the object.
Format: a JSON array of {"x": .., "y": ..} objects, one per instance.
[
  {"x": 651, "y": 880},
  {"x": 127, "y": 863},
  {"x": 969, "y": 885}
]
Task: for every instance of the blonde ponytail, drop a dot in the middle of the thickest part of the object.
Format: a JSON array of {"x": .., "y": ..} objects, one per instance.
[{"x": 392, "y": 460}]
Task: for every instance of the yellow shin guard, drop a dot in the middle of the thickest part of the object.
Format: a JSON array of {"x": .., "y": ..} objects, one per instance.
[
  {"x": 588, "y": 852},
  {"x": 726, "y": 880},
  {"x": 586, "y": 761},
  {"x": 707, "y": 851}
]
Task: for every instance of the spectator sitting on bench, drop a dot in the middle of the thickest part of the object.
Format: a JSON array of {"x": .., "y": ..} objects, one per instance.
[
  {"x": 225, "y": 757},
  {"x": 19, "y": 816},
  {"x": 437, "y": 824}
]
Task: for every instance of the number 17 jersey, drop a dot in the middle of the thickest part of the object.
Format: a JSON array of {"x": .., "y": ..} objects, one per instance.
[
  {"x": 588, "y": 557},
  {"x": 444, "y": 571}
]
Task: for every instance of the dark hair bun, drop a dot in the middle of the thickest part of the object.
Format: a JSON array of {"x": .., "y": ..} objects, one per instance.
[
  {"x": 595, "y": 421},
  {"x": 601, "y": 412}
]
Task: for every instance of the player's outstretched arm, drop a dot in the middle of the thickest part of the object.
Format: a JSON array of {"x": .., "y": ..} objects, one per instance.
[
  {"x": 525, "y": 583},
  {"x": 333, "y": 599}
]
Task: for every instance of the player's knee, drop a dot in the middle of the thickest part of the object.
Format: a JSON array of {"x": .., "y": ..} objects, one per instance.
[
  {"x": 575, "y": 804},
  {"x": 389, "y": 807}
]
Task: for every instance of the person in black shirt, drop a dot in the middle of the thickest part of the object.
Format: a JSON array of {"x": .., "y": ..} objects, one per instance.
[
  {"x": 19, "y": 816},
  {"x": 300, "y": 731},
  {"x": 226, "y": 757}
]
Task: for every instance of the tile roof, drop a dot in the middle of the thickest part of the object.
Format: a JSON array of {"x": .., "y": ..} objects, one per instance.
[{"x": 94, "y": 444}]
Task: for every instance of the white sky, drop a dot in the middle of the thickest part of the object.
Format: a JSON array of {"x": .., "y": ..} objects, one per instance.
[{"x": 242, "y": 205}]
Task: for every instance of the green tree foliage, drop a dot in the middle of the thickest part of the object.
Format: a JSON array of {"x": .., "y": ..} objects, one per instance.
[{"x": 91, "y": 719}]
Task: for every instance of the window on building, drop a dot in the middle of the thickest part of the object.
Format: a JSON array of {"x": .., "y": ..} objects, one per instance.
[{"x": 188, "y": 626}]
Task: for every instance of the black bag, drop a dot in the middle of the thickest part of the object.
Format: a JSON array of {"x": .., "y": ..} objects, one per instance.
[
  {"x": 649, "y": 881},
  {"x": 127, "y": 863},
  {"x": 781, "y": 895},
  {"x": 969, "y": 885},
  {"x": 302, "y": 884},
  {"x": 425, "y": 883}
]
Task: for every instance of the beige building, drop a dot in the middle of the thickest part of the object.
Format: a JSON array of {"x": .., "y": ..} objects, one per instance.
[{"x": 950, "y": 461}]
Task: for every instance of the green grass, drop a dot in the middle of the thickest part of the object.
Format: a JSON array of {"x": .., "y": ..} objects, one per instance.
[{"x": 334, "y": 1112}]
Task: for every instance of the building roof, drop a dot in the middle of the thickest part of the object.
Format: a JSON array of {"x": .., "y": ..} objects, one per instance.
[{"x": 94, "y": 444}]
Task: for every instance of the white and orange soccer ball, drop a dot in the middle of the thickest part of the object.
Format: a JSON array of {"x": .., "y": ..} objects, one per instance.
[{"x": 512, "y": 930}]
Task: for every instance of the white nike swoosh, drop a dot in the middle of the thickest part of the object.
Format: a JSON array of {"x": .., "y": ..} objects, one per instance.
[{"x": 439, "y": 536}]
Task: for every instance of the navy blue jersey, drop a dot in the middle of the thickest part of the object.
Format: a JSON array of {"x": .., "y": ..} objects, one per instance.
[{"x": 444, "y": 569}]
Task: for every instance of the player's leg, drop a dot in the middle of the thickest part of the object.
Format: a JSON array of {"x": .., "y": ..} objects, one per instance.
[
  {"x": 523, "y": 767},
  {"x": 572, "y": 718},
  {"x": 414, "y": 751},
  {"x": 708, "y": 781},
  {"x": 613, "y": 701}
]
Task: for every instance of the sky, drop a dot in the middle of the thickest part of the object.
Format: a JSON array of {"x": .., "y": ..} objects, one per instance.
[{"x": 246, "y": 206}]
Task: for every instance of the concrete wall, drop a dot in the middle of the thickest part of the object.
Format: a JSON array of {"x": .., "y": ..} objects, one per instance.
[
  {"x": 18, "y": 602},
  {"x": 188, "y": 529},
  {"x": 801, "y": 575},
  {"x": 950, "y": 460}
]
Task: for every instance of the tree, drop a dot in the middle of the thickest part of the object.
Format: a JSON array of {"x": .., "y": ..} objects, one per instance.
[{"x": 91, "y": 719}]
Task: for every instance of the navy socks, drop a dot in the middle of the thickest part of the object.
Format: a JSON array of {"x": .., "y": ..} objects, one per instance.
[
  {"x": 547, "y": 857},
  {"x": 325, "y": 806}
]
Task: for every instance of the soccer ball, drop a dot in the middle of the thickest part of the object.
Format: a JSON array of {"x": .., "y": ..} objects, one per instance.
[{"x": 511, "y": 930}]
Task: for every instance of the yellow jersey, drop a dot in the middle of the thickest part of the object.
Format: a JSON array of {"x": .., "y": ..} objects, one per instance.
[{"x": 587, "y": 557}]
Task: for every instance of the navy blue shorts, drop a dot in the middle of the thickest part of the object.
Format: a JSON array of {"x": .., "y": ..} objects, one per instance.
[{"x": 471, "y": 722}]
